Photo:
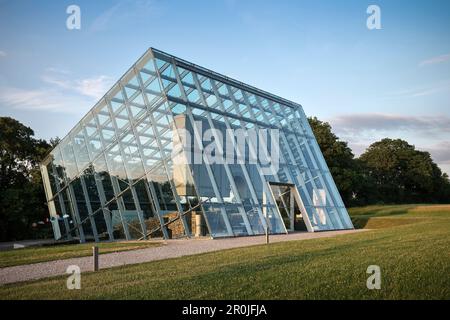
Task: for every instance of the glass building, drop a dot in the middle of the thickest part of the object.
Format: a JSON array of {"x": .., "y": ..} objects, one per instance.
[{"x": 170, "y": 151}]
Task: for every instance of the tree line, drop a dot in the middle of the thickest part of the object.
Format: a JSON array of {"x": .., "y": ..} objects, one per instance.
[
  {"x": 22, "y": 197},
  {"x": 390, "y": 171}
]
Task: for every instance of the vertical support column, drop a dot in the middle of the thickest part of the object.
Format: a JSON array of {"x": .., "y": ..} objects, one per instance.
[
  {"x": 102, "y": 197},
  {"x": 337, "y": 203},
  {"x": 253, "y": 148},
  {"x": 133, "y": 129},
  {"x": 300, "y": 152},
  {"x": 220, "y": 147},
  {"x": 50, "y": 203},
  {"x": 89, "y": 208},
  {"x": 299, "y": 200},
  {"x": 198, "y": 137},
  {"x": 62, "y": 205},
  {"x": 157, "y": 208},
  {"x": 65, "y": 215},
  {"x": 139, "y": 212},
  {"x": 120, "y": 207},
  {"x": 300, "y": 181},
  {"x": 286, "y": 142},
  {"x": 292, "y": 208},
  {"x": 172, "y": 185},
  {"x": 266, "y": 217},
  {"x": 163, "y": 154},
  {"x": 239, "y": 155},
  {"x": 211, "y": 176},
  {"x": 73, "y": 201}
]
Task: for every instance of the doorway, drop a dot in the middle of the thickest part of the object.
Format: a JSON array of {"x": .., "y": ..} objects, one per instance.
[{"x": 290, "y": 206}]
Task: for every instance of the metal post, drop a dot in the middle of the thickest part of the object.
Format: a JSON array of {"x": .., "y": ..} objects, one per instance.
[
  {"x": 266, "y": 217},
  {"x": 198, "y": 224},
  {"x": 95, "y": 257}
]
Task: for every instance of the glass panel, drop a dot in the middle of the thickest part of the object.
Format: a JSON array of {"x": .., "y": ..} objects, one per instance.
[
  {"x": 116, "y": 105},
  {"x": 236, "y": 221},
  {"x": 150, "y": 66},
  {"x": 69, "y": 213},
  {"x": 122, "y": 120},
  {"x": 131, "y": 216},
  {"x": 108, "y": 134},
  {"x": 94, "y": 199},
  {"x": 69, "y": 159},
  {"x": 104, "y": 177},
  {"x": 82, "y": 209},
  {"x": 275, "y": 223},
  {"x": 52, "y": 178},
  {"x": 95, "y": 145},
  {"x": 143, "y": 197},
  {"x": 116, "y": 221},
  {"x": 215, "y": 219},
  {"x": 64, "y": 219},
  {"x": 80, "y": 149},
  {"x": 116, "y": 166},
  {"x": 103, "y": 115},
  {"x": 132, "y": 158}
]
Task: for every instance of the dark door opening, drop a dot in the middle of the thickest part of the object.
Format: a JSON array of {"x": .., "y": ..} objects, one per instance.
[{"x": 289, "y": 206}]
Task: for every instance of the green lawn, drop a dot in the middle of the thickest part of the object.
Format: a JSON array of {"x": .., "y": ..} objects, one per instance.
[
  {"x": 48, "y": 253},
  {"x": 411, "y": 244}
]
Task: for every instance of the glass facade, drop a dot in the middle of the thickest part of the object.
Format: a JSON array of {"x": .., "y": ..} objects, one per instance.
[{"x": 126, "y": 171}]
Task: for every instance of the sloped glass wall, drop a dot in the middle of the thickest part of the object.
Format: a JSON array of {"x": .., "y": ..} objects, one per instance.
[{"x": 127, "y": 171}]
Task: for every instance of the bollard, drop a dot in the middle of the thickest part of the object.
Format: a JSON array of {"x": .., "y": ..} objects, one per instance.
[
  {"x": 198, "y": 225},
  {"x": 95, "y": 257}
]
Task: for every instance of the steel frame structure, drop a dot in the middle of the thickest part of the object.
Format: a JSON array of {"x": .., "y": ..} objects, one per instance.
[{"x": 113, "y": 176}]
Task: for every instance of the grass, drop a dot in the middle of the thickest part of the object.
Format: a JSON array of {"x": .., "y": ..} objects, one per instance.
[
  {"x": 377, "y": 217},
  {"x": 414, "y": 260},
  {"x": 47, "y": 253}
]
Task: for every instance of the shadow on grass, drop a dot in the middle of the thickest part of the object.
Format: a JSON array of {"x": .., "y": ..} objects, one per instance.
[
  {"x": 362, "y": 217},
  {"x": 380, "y": 223},
  {"x": 381, "y": 211}
]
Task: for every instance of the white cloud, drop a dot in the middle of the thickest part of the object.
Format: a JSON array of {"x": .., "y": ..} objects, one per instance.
[
  {"x": 435, "y": 60},
  {"x": 57, "y": 70},
  {"x": 421, "y": 91},
  {"x": 2, "y": 54},
  {"x": 352, "y": 123},
  {"x": 44, "y": 99},
  {"x": 440, "y": 152},
  {"x": 59, "y": 93},
  {"x": 94, "y": 87}
]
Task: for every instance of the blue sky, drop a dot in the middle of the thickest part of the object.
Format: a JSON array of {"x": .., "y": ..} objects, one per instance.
[{"x": 369, "y": 84}]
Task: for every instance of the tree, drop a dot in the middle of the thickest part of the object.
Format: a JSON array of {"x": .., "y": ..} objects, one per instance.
[
  {"x": 345, "y": 170},
  {"x": 403, "y": 174},
  {"x": 23, "y": 200}
]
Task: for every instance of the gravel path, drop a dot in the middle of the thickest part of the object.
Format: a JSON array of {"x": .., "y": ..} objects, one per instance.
[{"x": 170, "y": 249}]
